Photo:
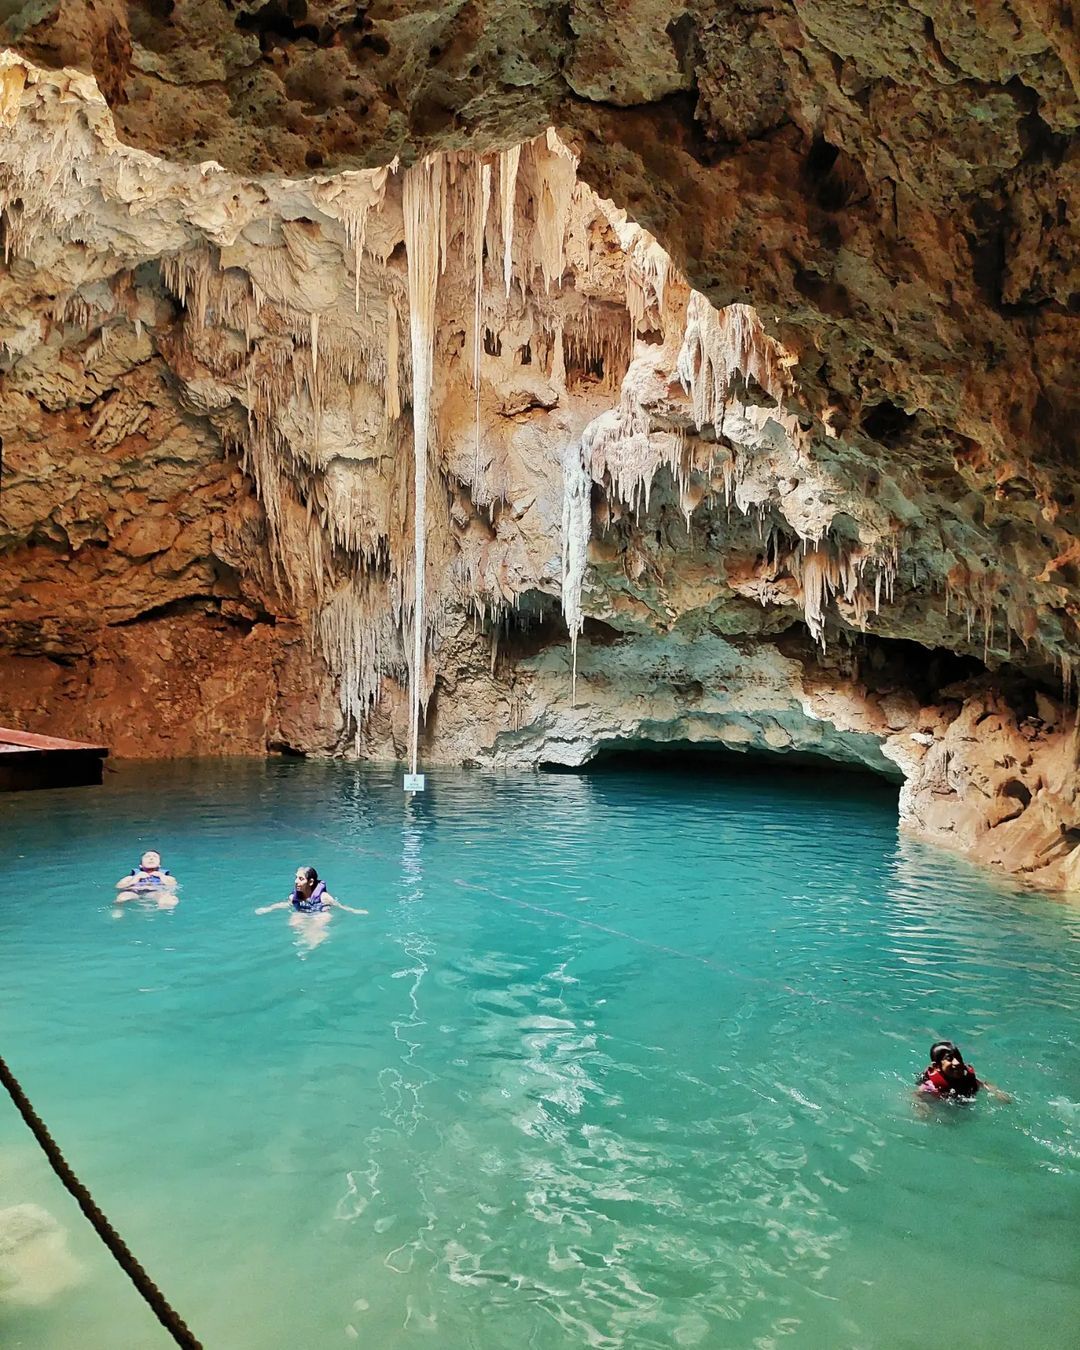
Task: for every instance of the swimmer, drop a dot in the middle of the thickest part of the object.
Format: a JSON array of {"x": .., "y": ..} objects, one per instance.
[
  {"x": 948, "y": 1078},
  {"x": 149, "y": 879},
  {"x": 309, "y": 897}
]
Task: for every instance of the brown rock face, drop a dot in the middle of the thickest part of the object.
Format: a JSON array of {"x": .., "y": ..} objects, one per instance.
[
  {"x": 205, "y": 377},
  {"x": 131, "y": 609},
  {"x": 190, "y": 683}
]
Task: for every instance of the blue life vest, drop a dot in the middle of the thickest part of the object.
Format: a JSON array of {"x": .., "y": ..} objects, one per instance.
[
  {"x": 146, "y": 879},
  {"x": 314, "y": 902}
]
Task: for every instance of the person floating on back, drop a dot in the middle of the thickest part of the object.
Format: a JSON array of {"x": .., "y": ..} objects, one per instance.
[
  {"x": 309, "y": 897},
  {"x": 148, "y": 880},
  {"x": 948, "y": 1078}
]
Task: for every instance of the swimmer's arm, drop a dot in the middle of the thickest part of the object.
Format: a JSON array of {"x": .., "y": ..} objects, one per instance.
[
  {"x": 169, "y": 881},
  {"x": 126, "y": 883},
  {"x": 268, "y": 909},
  {"x": 994, "y": 1091},
  {"x": 329, "y": 900}
]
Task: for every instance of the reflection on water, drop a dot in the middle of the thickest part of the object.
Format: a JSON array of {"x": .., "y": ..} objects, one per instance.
[{"x": 621, "y": 1061}]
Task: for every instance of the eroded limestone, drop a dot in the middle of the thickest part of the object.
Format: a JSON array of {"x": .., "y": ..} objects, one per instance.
[{"x": 208, "y": 460}]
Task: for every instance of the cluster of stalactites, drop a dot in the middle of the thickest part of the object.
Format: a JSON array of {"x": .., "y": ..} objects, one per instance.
[
  {"x": 290, "y": 359},
  {"x": 991, "y": 610},
  {"x": 723, "y": 354},
  {"x": 722, "y": 351},
  {"x": 293, "y": 356},
  {"x": 513, "y": 218},
  {"x": 827, "y": 572},
  {"x": 647, "y": 266},
  {"x": 446, "y": 205},
  {"x": 359, "y": 633}
]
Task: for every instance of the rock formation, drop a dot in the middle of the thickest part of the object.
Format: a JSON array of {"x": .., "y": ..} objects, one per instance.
[
  {"x": 35, "y": 1262},
  {"x": 790, "y": 472}
]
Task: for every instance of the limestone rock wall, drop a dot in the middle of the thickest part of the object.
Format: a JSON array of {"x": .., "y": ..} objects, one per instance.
[
  {"x": 647, "y": 518},
  {"x": 982, "y": 770},
  {"x": 188, "y": 684}
]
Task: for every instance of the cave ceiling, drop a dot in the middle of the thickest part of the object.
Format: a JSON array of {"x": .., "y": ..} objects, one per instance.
[{"x": 893, "y": 186}]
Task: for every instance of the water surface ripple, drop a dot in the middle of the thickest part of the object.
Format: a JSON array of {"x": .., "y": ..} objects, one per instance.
[{"x": 620, "y": 1060}]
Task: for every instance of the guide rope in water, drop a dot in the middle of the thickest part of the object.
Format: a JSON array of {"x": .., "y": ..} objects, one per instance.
[
  {"x": 580, "y": 921},
  {"x": 516, "y": 902},
  {"x": 169, "y": 1318}
]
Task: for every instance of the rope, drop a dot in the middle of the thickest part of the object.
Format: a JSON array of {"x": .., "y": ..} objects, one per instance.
[
  {"x": 581, "y": 921},
  {"x": 163, "y": 1311}
]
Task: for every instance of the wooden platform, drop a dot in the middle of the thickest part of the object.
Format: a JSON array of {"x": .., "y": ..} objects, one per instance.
[{"x": 31, "y": 761}]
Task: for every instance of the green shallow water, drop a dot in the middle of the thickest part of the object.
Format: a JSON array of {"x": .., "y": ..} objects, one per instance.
[{"x": 615, "y": 1061}]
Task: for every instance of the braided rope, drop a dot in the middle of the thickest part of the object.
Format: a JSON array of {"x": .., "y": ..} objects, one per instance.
[{"x": 163, "y": 1311}]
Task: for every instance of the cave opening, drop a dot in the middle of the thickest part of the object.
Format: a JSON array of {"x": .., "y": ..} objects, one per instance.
[
  {"x": 703, "y": 760},
  {"x": 884, "y": 664}
]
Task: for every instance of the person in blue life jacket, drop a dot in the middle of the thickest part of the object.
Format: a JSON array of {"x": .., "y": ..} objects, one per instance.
[
  {"x": 309, "y": 898},
  {"x": 148, "y": 881}
]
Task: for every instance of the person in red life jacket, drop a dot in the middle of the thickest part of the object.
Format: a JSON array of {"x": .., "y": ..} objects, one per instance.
[{"x": 948, "y": 1078}]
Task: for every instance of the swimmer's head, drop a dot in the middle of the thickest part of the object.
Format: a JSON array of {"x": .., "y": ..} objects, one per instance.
[
  {"x": 943, "y": 1052},
  {"x": 305, "y": 877},
  {"x": 150, "y": 861}
]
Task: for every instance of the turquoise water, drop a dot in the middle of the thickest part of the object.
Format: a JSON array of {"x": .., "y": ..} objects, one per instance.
[{"x": 615, "y": 1061}]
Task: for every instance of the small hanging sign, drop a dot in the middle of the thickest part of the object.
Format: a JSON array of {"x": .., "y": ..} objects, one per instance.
[{"x": 414, "y": 782}]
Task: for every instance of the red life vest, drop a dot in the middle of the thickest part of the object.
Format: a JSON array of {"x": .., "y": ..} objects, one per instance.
[{"x": 967, "y": 1087}]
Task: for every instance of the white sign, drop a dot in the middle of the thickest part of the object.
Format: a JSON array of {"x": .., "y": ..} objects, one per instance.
[{"x": 414, "y": 782}]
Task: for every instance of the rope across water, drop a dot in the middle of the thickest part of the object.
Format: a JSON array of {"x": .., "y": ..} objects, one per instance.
[
  {"x": 580, "y": 920},
  {"x": 169, "y": 1318}
]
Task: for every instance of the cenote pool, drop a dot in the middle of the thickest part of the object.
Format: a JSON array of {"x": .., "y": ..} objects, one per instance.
[{"x": 617, "y": 1061}]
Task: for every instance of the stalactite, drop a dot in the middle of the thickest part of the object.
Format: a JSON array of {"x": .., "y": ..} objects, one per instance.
[
  {"x": 508, "y": 171},
  {"x": 818, "y": 579},
  {"x": 576, "y": 531},
  {"x": 481, "y": 205},
  {"x": 554, "y": 170},
  {"x": 558, "y": 354},
  {"x": 423, "y": 209},
  {"x": 392, "y": 397}
]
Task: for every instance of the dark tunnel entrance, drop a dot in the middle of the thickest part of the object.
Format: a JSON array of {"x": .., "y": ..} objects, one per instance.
[{"x": 697, "y": 761}]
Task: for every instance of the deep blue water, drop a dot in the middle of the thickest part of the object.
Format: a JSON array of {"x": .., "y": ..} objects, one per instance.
[{"x": 617, "y": 1061}]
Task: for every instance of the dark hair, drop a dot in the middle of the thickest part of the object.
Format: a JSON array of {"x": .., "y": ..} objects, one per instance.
[
  {"x": 309, "y": 873},
  {"x": 940, "y": 1049}
]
